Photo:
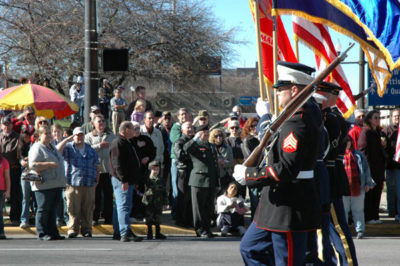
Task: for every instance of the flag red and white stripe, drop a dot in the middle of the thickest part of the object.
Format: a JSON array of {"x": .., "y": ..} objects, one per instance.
[
  {"x": 285, "y": 51},
  {"x": 316, "y": 36}
]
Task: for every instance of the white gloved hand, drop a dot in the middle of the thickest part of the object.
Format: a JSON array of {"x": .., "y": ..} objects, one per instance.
[
  {"x": 262, "y": 107},
  {"x": 239, "y": 173}
]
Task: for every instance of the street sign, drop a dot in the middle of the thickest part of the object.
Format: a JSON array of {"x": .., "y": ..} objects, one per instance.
[
  {"x": 247, "y": 100},
  {"x": 392, "y": 94}
]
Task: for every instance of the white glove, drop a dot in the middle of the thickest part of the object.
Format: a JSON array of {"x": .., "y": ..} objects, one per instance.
[
  {"x": 239, "y": 173},
  {"x": 262, "y": 107}
]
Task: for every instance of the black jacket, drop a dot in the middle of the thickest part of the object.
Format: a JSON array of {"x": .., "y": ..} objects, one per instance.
[
  {"x": 289, "y": 199},
  {"x": 124, "y": 161}
]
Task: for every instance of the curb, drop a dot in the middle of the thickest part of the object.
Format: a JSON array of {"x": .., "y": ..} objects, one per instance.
[{"x": 140, "y": 229}]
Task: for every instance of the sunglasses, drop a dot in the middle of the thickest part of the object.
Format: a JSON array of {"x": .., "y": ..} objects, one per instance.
[
  {"x": 219, "y": 136},
  {"x": 234, "y": 128},
  {"x": 202, "y": 118},
  {"x": 43, "y": 122}
]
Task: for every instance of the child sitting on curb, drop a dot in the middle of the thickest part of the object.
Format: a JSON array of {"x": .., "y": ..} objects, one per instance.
[{"x": 231, "y": 208}]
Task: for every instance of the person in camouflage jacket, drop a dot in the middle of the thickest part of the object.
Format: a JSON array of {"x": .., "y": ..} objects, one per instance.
[{"x": 154, "y": 197}]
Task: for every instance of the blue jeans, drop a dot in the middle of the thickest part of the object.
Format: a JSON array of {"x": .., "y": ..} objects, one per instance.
[
  {"x": 1, "y": 213},
  {"x": 122, "y": 210},
  {"x": 47, "y": 201},
  {"x": 356, "y": 205},
  {"x": 391, "y": 190},
  {"x": 62, "y": 214},
  {"x": 27, "y": 193},
  {"x": 174, "y": 185}
]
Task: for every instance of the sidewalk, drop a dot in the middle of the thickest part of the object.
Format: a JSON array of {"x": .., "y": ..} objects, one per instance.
[
  {"x": 389, "y": 227},
  {"x": 168, "y": 227}
]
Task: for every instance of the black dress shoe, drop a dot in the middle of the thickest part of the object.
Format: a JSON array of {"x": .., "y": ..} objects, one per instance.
[
  {"x": 160, "y": 236},
  {"x": 199, "y": 232},
  {"x": 57, "y": 237},
  {"x": 87, "y": 234},
  {"x": 116, "y": 237},
  {"x": 72, "y": 235}
]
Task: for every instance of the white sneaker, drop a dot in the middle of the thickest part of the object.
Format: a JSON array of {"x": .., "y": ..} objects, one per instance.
[
  {"x": 224, "y": 231},
  {"x": 24, "y": 225}
]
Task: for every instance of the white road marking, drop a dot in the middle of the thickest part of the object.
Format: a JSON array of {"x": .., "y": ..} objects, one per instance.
[{"x": 55, "y": 249}]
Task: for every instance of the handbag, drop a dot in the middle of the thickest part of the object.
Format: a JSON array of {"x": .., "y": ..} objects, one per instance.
[{"x": 32, "y": 176}]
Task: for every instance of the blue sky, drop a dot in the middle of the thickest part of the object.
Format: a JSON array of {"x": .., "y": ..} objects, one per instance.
[{"x": 236, "y": 14}]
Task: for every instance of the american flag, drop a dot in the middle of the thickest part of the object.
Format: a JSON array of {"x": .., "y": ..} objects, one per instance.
[{"x": 316, "y": 36}]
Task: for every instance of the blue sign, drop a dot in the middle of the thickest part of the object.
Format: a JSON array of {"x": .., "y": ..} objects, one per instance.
[
  {"x": 247, "y": 100},
  {"x": 391, "y": 95}
]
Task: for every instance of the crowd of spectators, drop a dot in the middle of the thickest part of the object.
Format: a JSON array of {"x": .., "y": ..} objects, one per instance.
[{"x": 130, "y": 162}]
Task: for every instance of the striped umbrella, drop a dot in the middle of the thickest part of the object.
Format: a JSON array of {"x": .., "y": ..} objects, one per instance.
[{"x": 45, "y": 101}]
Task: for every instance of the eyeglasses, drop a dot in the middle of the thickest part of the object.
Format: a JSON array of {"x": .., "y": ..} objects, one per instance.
[
  {"x": 234, "y": 128},
  {"x": 219, "y": 136}
]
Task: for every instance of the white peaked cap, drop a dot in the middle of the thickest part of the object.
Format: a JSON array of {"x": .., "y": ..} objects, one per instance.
[{"x": 293, "y": 75}]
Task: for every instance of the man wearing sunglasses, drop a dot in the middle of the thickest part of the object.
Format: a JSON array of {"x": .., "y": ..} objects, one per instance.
[{"x": 288, "y": 208}]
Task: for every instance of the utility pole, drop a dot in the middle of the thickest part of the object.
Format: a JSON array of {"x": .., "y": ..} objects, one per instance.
[
  {"x": 361, "y": 78},
  {"x": 91, "y": 60}
]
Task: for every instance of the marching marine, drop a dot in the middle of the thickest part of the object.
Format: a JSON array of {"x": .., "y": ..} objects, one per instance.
[{"x": 289, "y": 206}]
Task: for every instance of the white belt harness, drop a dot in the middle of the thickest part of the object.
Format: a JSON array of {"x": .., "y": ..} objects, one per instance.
[{"x": 305, "y": 175}]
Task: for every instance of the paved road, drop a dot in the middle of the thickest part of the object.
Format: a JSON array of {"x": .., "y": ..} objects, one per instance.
[{"x": 174, "y": 251}]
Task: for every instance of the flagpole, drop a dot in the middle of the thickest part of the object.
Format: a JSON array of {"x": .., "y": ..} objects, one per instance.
[
  {"x": 275, "y": 54},
  {"x": 296, "y": 48},
  {"x": 259, "y": 52}
]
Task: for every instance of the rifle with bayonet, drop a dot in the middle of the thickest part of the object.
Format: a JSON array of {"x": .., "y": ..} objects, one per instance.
[{"x": 299, "y": 100}]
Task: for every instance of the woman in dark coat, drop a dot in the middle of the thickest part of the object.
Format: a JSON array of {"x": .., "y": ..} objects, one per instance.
[
  {"x": 250, "y": 142},
  {"x": 369, "y": 142},
  {"x": 146, "y": 153}
]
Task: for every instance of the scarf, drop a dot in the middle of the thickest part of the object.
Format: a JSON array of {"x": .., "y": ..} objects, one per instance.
[{"x": 353, "y": 174}]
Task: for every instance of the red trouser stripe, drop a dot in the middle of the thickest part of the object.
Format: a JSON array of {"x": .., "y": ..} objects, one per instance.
[{"x": 289, "y": 248}]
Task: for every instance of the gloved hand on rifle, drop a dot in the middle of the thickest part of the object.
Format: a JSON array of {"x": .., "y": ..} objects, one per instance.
[{"x": 262, "y": 107}]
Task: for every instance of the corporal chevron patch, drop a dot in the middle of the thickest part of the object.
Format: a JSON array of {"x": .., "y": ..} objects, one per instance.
[{"x": 290, "y": 143}]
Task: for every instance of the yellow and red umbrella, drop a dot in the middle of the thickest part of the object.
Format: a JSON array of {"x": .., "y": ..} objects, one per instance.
[{"x": 45, "y": 101}]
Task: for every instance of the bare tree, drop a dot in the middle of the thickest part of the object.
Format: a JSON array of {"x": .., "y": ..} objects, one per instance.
[{"x": 47, "y": 37}]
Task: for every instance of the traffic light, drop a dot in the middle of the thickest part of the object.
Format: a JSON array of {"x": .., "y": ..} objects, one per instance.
[{"x": 115, "y": 59}]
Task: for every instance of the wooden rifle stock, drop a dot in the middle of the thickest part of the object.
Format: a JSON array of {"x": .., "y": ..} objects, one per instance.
[{"x": 299, "y": 100}]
